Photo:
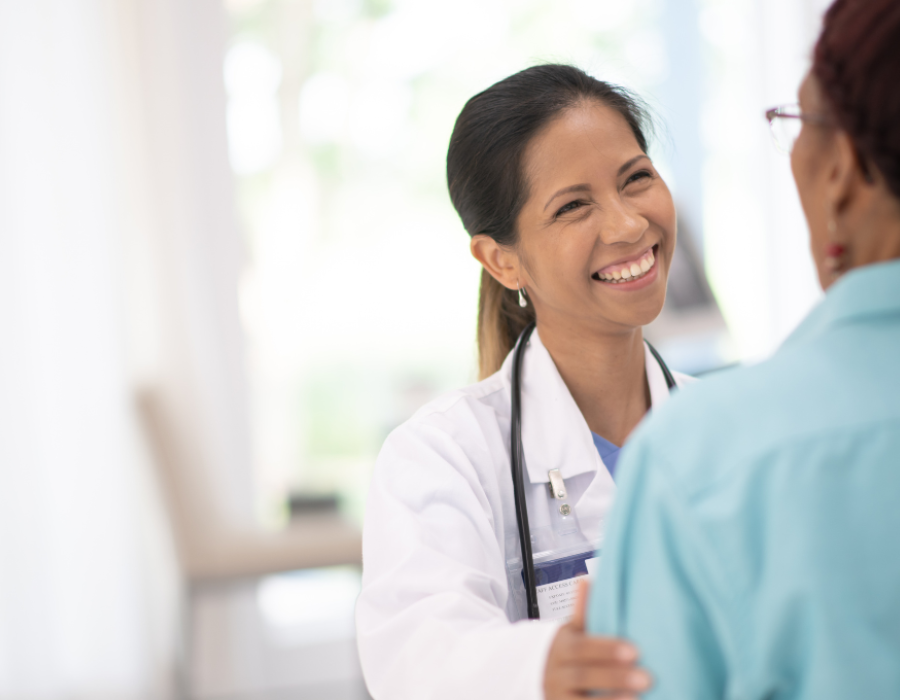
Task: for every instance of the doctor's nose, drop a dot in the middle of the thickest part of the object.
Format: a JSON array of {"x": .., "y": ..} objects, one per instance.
[{"x": 622, "y": 226}]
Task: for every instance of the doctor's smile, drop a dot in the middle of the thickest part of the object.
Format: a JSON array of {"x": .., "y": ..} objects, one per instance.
[{"x": 629, "y": 271}]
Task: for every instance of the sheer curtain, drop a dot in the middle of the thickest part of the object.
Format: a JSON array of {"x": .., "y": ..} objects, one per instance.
[
  {"x": 125, "y": 468},
  {"x": 90, "y": 588},
  {"x": 123, "y": 433}
]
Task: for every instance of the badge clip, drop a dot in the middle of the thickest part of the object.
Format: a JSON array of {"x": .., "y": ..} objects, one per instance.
[{"x": 557, "y": 485}]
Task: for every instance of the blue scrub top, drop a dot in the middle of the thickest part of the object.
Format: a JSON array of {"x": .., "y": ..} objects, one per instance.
[
  {"x": 753, "y": 549},
  {"x": 609, "y": 452}
]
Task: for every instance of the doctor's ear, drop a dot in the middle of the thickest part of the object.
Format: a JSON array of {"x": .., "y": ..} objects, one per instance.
[{"x": 501, "y": 262}]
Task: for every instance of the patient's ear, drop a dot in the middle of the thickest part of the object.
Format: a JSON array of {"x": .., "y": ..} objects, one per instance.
[
  {"x": 848, "y": 175},
  {"x": 501, "y": 262}
]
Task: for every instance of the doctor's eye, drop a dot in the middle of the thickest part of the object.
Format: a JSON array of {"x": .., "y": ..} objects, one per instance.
[
  {"x": 639, "y": 175},
  {"x": 571, "y": 206}
]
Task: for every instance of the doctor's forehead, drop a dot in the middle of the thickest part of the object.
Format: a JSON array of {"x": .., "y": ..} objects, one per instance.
[{"x": 587, "y": 140}]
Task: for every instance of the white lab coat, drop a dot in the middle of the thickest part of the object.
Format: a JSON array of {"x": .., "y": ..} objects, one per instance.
[{"x": 440, "y": 613}]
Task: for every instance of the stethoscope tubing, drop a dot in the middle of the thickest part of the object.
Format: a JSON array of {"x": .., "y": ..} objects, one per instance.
[
  {"x": 516, "y": 458},
  {"x": 517, "y": 455}
]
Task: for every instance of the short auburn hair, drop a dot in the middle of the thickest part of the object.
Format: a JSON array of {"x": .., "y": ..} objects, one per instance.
[{"x": 857, "y": 65}]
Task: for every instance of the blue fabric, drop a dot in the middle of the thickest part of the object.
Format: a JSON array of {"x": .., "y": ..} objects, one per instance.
[
  {"x": 752, "y": 552},
  {"x": 609, "y": 452}
]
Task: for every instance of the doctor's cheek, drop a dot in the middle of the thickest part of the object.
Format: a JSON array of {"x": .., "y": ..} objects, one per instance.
[{"x": 578, "y": 663}]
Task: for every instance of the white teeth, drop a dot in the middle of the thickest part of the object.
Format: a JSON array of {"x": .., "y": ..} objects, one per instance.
[{"x": 637, "y": 269}]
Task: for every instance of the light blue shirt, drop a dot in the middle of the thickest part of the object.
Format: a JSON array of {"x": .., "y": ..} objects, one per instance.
[
  {"x": 609, "y": 452},
  {"x": 754, "y": 550}
]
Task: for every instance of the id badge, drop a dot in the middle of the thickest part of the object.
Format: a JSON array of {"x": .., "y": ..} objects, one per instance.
[
  {"x": 557, "y": 583},
  {"x": 561, "y": 553}
]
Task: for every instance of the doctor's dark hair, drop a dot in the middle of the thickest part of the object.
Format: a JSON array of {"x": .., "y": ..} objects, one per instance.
[
  {"x": 857, "y": 65},
  {"x": 487, "y": 183}
]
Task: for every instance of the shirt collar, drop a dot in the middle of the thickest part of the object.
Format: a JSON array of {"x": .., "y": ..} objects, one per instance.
[
  {"x": 554, "y": 433},
  {"x": 873, "y": 290}
]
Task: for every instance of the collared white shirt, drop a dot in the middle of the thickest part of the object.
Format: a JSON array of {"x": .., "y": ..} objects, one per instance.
[{"x": 438, "y": 616}]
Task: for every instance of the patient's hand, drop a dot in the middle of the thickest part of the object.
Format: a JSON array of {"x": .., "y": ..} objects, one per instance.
[{"x": 578, "y": 663}]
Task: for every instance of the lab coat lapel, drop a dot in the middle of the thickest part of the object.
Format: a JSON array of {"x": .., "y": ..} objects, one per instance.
[{"x": 554, "y": 433}]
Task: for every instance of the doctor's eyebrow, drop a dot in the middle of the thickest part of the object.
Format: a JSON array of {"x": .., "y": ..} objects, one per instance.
[
  {"x": 583, "y": 187},
  {"x": 631, "y": 162}
]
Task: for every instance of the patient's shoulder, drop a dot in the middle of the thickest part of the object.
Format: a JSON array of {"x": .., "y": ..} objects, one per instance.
[{"x": 733, "y": 418}]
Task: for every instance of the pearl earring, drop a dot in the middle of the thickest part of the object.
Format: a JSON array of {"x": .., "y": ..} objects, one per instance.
[{"x": 523, "y": 302}]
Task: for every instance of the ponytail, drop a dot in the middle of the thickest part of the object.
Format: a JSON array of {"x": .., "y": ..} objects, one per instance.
[{"x": 500, "y": 322}]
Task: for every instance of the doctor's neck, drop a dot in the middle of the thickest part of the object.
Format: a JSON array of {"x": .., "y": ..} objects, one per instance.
[{"x": 605, "y": 373}]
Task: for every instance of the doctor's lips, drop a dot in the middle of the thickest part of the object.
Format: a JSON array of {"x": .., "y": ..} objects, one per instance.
[{"x": 628, "y": 270}]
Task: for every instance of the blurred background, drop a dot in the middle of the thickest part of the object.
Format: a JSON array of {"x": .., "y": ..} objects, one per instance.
[{"x": 229, "y": 267}]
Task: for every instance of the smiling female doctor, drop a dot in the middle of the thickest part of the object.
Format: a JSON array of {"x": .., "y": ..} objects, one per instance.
[{"x": 575, "y": 229}]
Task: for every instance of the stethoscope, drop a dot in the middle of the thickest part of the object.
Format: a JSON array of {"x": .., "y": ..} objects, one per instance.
[{"x": 516, "y": 459}]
